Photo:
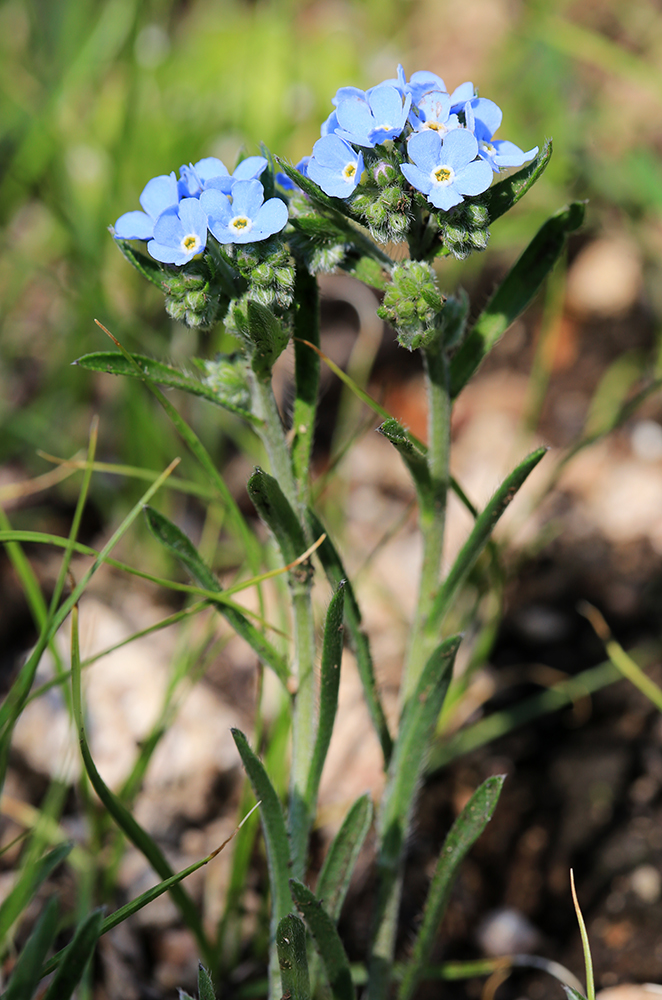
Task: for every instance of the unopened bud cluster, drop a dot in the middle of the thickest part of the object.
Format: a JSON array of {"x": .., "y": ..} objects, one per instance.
[{"x": 413, "y": 304}]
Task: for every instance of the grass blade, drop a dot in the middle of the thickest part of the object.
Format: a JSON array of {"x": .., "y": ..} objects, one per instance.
[
  {"x": 335, "y": 875},
  {"x": 328, "y": 941},
  {"x": 464, "y": 832},
  {"x": 29, "y": 967},
  {"x": 30, "y": 879},
  {"x": 480, "y": 535},
  {"x": 126, "y": 822},
  {"x": 515, "y": 292},
  {"x": 502, "y": 196},
  {"x": 75, "y": 958},
  {"x": 179, "y": 545}
]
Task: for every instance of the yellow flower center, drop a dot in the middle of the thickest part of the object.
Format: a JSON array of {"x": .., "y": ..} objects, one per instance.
[
  {"x": 443, "y": 175},
  {"x": 190, "y": 242},
  {"x": 241, "y": 224},
  {"x": 435, "y": 127},
  {"x": 349, "y": 171}
]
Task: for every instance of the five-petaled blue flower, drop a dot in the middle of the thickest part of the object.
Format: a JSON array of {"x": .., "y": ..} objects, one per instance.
[
  {"x": 483, "y": 118},
  {"x": 445, "y": 171},
  {"x": 180, "y": 233},
  {"x": 247, "y": 218},
  {"x": 335, "y": 166},
  {"x": 212, "y": 173},
  {"x": 158, "y": 194},
  {"x": 371, "y": 120},
  {"x": 433, "y": 111}
]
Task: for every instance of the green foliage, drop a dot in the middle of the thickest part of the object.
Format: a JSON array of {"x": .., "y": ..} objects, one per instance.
[
  {"x": 292, "y": 958},
  {"x": 412, "y": 304}
]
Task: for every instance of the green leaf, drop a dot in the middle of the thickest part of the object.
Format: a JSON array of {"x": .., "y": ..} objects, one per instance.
[
  {"x": 572, "y": 994},
  {"x": 205, "y": 985},
  {"x": 515, "y": 292},
  {"x": 335, "y": 572},
  {"x": 464, "y": 832},
  {"x": 31, "y": 878},
  {"x": 502, "y": 196},
  {"x": 75, "y": 957},
  {"x": 177, "y": 543},
  {"x": 306, "y": 377},
  {"x": 292, "y": 958},
  {"x": 158, "y": 373},
  {"x": 144, "y": 265},
  {"x": 480, "y": 536},
  {"x": 327, "y": 940},
  {"x": 414, "y": 458},
  {"x": 274, "y": 508},
  {"x": 329, "y": 684},
  {"x": 273, "y": 824},
  {"x": 29, "y": 966},
  {"x": 335, "y": 875},
  {"x": 266, "y": 335}
]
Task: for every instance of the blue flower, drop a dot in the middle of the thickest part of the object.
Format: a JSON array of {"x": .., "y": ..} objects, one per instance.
[
  {"x": 335, "y": 166},
  {"x": 465, "y": 92},
  {"x": 421, "y": 82},
  {"x": 245, "y": 219},
  {"x": 483, "y": 118},
  {"x": 369, "y": 121},
  {"x": 445, "y": 171},
  {"x": 180, "y": 233},
  {"x": 433, "y": 111},
  {"x": 158, "y": 194},
  {"x": 212, "y": 173}
]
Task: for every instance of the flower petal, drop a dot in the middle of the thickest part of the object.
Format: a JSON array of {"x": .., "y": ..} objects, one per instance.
[
  {"x": 459, "y": 148},
  {"x": 193, "y": 217},
  {"x": 217, "y": 207},
  {"x": 210, "y": 167},
  {"x": 159, "y": 193},
  {"x": 270, "y": 219},
  {"x": 134, "y": 226},
  {"x": 168, "y": 229},
  {"x": 473, "y": 179},
  {"x": 420, "y": 179},
  {"x": 424, "y": 149},
  {"x": 247, "y": 196},
  {"x": 166, "y": 254},
  {"x": 249, "y": 168}
]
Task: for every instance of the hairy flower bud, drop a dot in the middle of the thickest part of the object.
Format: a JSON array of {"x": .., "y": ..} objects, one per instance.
[{"x": 412, "y": 304}]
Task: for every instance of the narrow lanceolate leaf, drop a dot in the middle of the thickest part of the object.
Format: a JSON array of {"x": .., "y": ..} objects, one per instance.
[
  {"x": 274, "y": 508},
  {"x": 205, "y": 985},
  {"x": 29, "y": 881},
  {"x": 75, "y": 958},
  {"x": 480, "y": 535},
  {"x": 329, "y": 684},
  {"x": 179, "y": 545},
  {"x": 144, "y": 265},
  {"x": 502, "y": 196},
  {"x": 158, "y": 373},
  {"x": 327, "y": 939},
  {"x": 417, "y": 721},
  {"x": 415, "y": 458},
  {"x": 515, "y": 292},
  {"x": 29, "y": 966},
  {"x": 334, "y": 878},
  {"x": 292, "y": 958},
  {"x": 335, "y": 572},
  {"x": 273, "y": 824},
  {"x": 464, "y": 832},
  {"x": 126, "y": 822}
]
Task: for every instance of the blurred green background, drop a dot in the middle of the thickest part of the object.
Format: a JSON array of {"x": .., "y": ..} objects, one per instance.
[{"x": 97, "y": 97}]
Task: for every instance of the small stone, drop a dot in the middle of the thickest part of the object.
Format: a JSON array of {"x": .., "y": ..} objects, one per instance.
[{"x": 507, "y": 932}]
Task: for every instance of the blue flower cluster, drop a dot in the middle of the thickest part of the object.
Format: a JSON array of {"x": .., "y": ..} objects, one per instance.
[
  {"x": 447, "y": 138},
  {"x": 178, "y": 213}
]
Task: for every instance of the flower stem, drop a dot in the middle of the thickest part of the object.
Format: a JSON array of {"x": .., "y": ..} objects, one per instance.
[{"x": 432, "y": 515}]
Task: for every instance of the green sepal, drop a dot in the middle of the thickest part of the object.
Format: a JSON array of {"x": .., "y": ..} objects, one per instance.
[
  {"x": 515, "y": 292},
  {"x": 145, "y": 266},
  {"x": 292, "y": 958},
  {"x": 273, "y": 825},
  {"x": 464, "y": 832},
  {"x": 180, "y": 546},
  {"x": 75, "y": 957},
  {"x": 329, "y": 683},
  {"x": 274, "y": 508},
  {"x": 29, "y": 965},
  {"x": 502, "y": 196},
  {"x": 158, "y": 373},
  {"x": 327, "y": 939},
  {"x": 341, "y": 857}
]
